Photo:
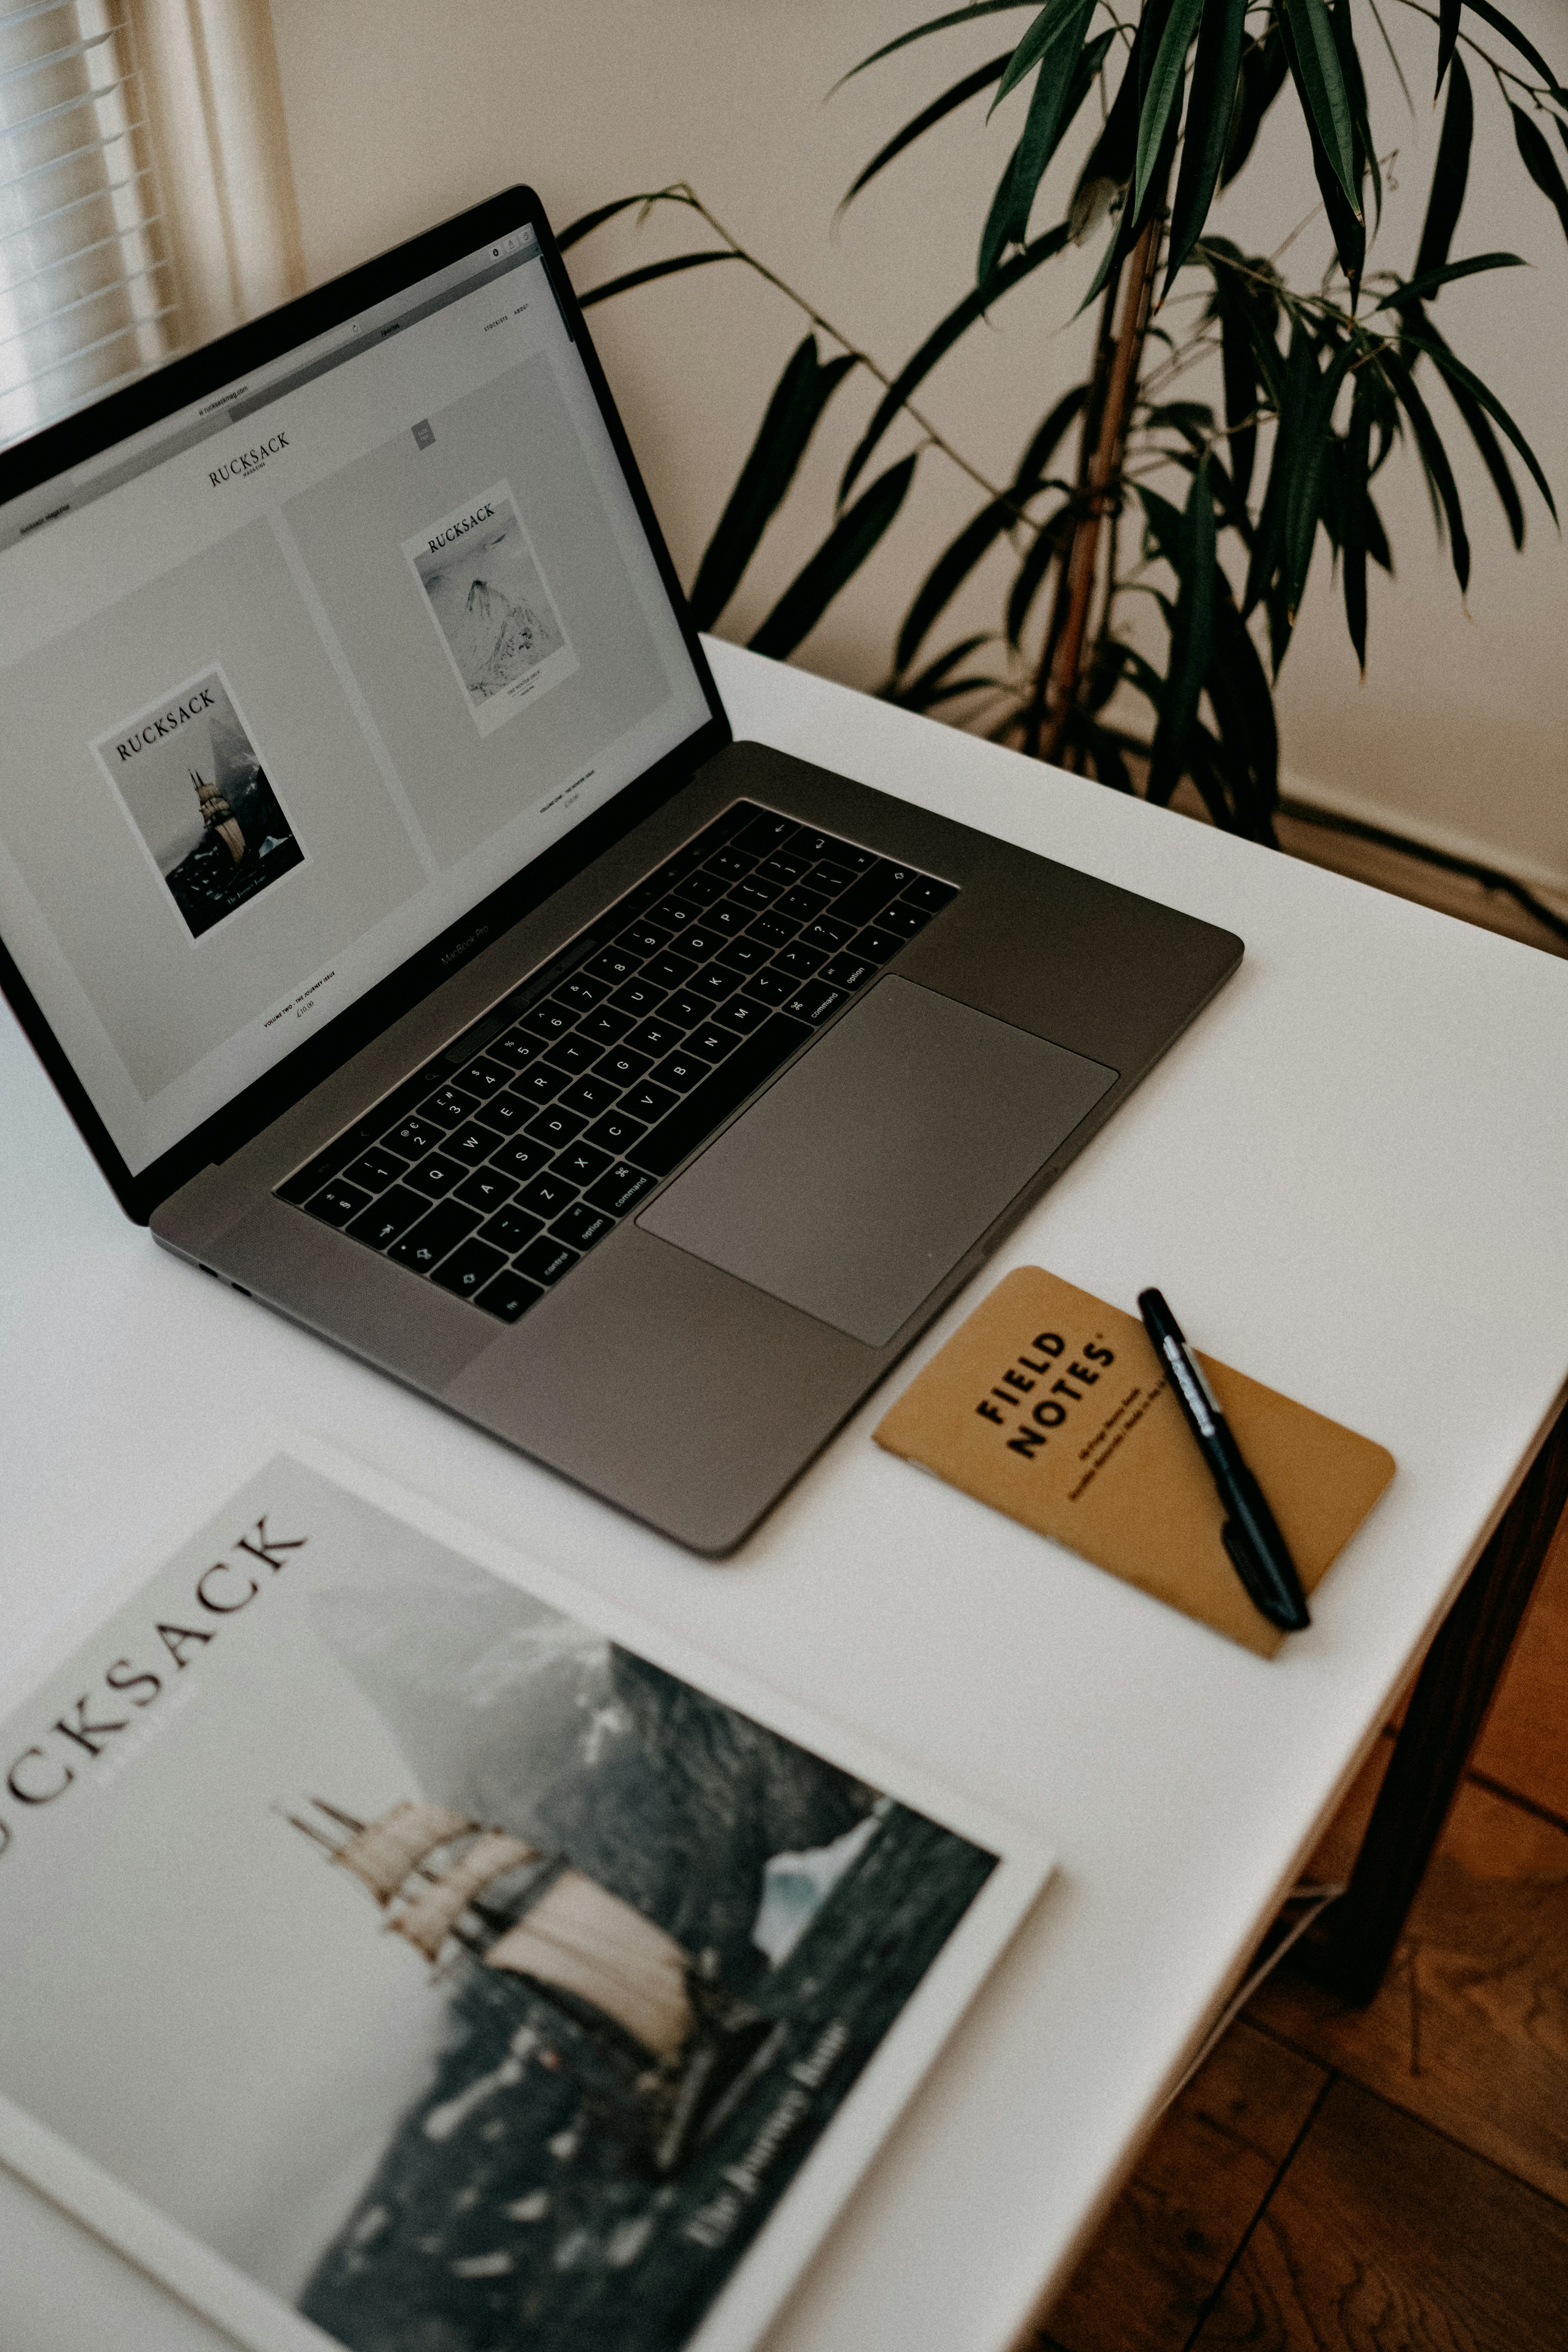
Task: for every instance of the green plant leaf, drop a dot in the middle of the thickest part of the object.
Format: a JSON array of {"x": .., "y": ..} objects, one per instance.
[
  {"x": 1109, "y": 766},
  {"x": 1191, "y": 634},
  {"x": 941, "y": 340},
  {"x": 1032, "y": 571},
  {"x": 1348, "y": 227},
  {"x": 1448, "y": 37},
  {"x": 1456, "y": 372},
  {"x": 932, "y": 24},
  {"x": 1434, "y": 459},
  {"x": 1210, "y": 107},
  {"x": 1450, "y": 173},
  {"x": 839, "y": 557},
  {"x": 803, "y": 392},
  {"x": 1047, "y": 438},
  {"x": 585, "y": 223},
  {"x": 1322, "y": 81},
  {"x": 939, "y": 108},
  {"x": 1055, "y": 35},
  {"x": 651, "y": 270},
  {"x": 1541, "y": 163},
  {"x": 1304, "y": 490},
  {"x": 1510, "y": 32},
  {"x": 1298, "y": 383},
  {"x": 1052, "y": 110},
  {"x": 1365, "y": 152},
  {"x": 1352, "y": 553},
  {"x": 1415, "y": 291},
  {"x": 1264, "y": 70},
  {"x": 1163, "y": 97},
  {"x": 1486, "y": 441},
  {"x": 947, "y": 575},
  {"x": 1244, "y": 706}
]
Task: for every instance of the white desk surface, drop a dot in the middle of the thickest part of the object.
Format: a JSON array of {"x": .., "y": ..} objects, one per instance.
[{"x": 1350, "y": 1177}]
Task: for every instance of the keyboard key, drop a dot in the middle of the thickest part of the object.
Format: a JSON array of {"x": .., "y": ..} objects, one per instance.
[
  {"x": 741, "y": 1013},
  {"x": 675, "y": 912},
  {"x": 746, "y": 955},
  {"x": 826, "y": 876},
  {"x": 556, "y": 1126},
  {"x": 643, "y": 939},
  {"x": 427, "y": 1242},
  {"x": 297, "y": 1189},
  {"x": 510, "y": 1228},
  {"x": 437, "y": 1174},
  {"x": 730, "y": 863},
  {"x": 703, "y": 887},
  {"x": 622, "y": 1187},
  {"x": 680, "y": 1070},
  {"x": 581, "y": 1163},
  {"x": 575, "y": 1053},
  {"x": 606, "y": 1027},
  {"x": 701, "y": 943},
  {"x": 524, "y": 1158},
  {"x": 506, "y": 1113},
  {"x": 815, "y": 1003},
  {"x": 615, "y": 1132},
  {"x": 616, "y": 964},
  {"x": 336, "y": 1202},
  {"x": 545, "y": 1261},
  {"x": 769, "y": 987},
  {"x": 782, "y": 868},
  {"x": 877, "y": 945},
  {"x": 516, "y": 1049},
  {"x": 765, "y": 832},
  {"x": 655, "y": 1037},
  {"x": 932, "y": 895},
  {"x": 583, "y": 990},
  {"x": 902, "y": 917},
  {"x": 381, "y": 1224},
  {"x": 870, "y": 894},
  {"x": 758, "y": 896},
  {"x": 375, "y": 1169},
  {"x": 583, "y": 1226},
  {"x": 471, "y": 1144},
  {"x": 547, "y": 1195},
  {"x": 549, "y": 1019},
  {"x": 649, "y": 1102},
  {"x": 508, "y": 1297},
  {"x": 541, "y": 1084},
  {"x": 468, "y": 1269},
  {"x": 827, "y": 933},
  {"x": 804, "y": 905},
  {"x": 808, "y": 844},
  {"x": 713, "y": 982},
  {"x": 732, "y": 918},
  {"x": 670, "y": 970},
  {"x": 590, "y": 1095},
  {"x": 848, "y": 970},
  {"x": 414, "y": 1137},
  {"x": 638, "y": 997},
  {"x": 800, "y": 960},
  {"x": 694, "y": 1118},
  {"x": 485, "y": 1189},
  {"x": 708, "y": 1044},
  {"x": 774, "y": 931},
  {"x": 621, "y": 1067},
  {"x": 484, "y": 1077},
  {"x": 449, "y": 1107}
]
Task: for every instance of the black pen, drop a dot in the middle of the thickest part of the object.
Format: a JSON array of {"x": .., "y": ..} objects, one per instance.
[{"x": 1258, "y": 1552}]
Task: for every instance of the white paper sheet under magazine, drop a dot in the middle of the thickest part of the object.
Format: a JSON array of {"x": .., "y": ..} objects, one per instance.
[
  {"x": 480, "y": 581},
  {"x": 393, "y": 1945}
]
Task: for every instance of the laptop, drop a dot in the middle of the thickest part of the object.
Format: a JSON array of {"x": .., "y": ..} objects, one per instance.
[{"x": 419, "y": 955}]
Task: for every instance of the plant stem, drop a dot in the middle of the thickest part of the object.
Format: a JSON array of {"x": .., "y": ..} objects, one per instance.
[{"x": 1061, "y": 693}]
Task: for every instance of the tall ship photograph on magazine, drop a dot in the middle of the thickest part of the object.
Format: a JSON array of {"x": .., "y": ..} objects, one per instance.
[{"x": 404, "y": 1951}]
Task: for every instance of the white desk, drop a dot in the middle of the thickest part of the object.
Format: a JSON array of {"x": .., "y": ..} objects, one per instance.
[{"x": 1350, "y": 1177}]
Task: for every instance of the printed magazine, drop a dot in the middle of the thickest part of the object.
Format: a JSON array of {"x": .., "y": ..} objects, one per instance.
[
  {"x": 188, "y": 773},
  {"x": 404, "y": 1951},
  {"x": 492, "y": 611}
]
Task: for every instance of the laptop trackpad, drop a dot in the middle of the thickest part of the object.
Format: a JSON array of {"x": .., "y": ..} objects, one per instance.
[{"x": 859, "y": 1179}]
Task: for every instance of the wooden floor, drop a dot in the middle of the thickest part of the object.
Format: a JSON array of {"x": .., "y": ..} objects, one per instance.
[{"x": 1392, "y": 2179}]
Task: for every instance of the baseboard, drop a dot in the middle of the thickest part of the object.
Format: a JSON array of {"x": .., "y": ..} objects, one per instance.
[{"x": 1551, "y": 882}]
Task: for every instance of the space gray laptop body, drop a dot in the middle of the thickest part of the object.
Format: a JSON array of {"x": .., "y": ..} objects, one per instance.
[{"x": 419, "y": 956}]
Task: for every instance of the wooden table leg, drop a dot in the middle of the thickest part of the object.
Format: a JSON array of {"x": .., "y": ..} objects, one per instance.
[{"x": 1356, "y": 1939}]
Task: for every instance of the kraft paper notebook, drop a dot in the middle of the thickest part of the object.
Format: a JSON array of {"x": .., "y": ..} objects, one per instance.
[{"x": 1052, "y": 1406}]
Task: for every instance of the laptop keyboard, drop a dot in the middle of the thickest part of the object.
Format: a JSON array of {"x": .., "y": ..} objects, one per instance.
[{"x": 495, "y": 1167}]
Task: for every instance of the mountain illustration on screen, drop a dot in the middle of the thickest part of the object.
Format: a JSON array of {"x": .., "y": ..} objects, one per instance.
[{"x": 493, "y": 611}]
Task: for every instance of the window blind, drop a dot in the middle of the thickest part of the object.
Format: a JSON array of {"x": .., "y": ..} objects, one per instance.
[{"x": 87, "y": 297}]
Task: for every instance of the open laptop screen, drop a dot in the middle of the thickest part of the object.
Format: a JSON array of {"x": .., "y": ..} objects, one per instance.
[{"x": 298, "y": 675}]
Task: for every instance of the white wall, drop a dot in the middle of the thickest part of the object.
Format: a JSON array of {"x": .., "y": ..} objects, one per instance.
[{"x": 402, "y": 111}]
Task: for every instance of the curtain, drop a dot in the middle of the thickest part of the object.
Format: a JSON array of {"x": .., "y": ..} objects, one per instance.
[{"x": 146, "y": 198}]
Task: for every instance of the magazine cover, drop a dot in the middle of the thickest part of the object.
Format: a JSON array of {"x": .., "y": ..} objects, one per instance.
[
  {"x": 187, "y": 772},
  {"x": 482, "y": 584},
  {"x": 404, "y": 1952}
]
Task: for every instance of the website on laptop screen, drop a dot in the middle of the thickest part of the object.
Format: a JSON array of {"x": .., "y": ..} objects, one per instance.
[{"x": 296, "y": 677}]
